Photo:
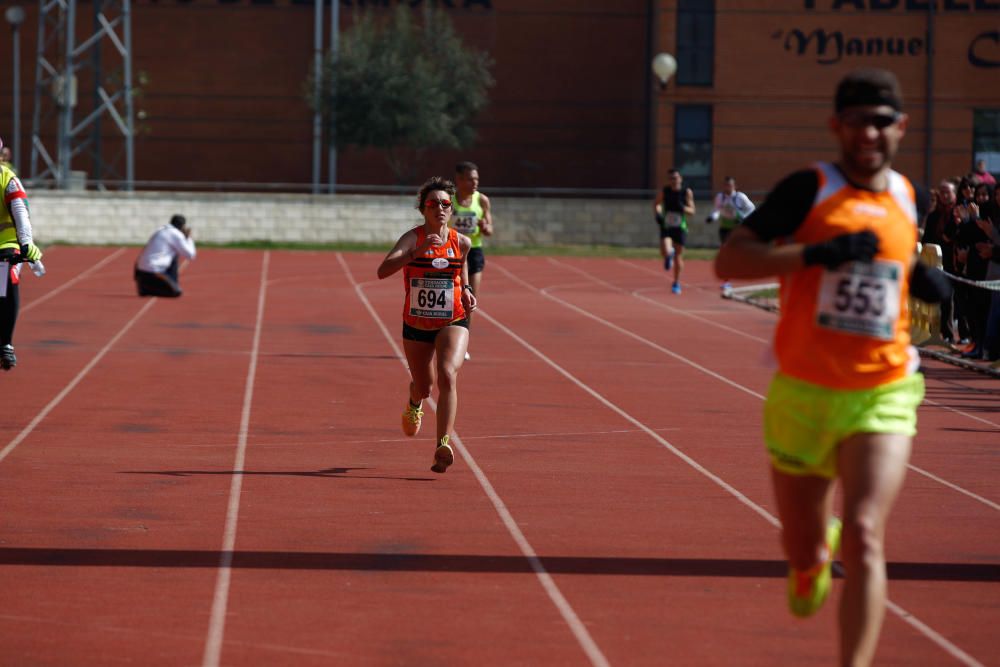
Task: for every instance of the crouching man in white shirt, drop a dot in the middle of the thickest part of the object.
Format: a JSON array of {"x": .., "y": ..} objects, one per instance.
[{"x": 156, "y": 270}]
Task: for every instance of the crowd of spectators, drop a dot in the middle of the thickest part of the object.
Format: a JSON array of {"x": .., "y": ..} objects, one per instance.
[{"x": 964, "y": 220}]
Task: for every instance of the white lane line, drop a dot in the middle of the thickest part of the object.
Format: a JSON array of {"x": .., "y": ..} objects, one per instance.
[
  {"x": 927, "y": 401},
  {"x": 954, "y": 487},
  {"x": 217, "y": 622},
  {"x": 69, "y": 283},
  {"x": 977, "y": 418},
  {"x": 44, "y": 412},
  {"x": 638, "y": 294},
  {"x": 906, "y": 616},
  {"x": 630, "y": 334},
  {"x": 569, "y": 615},
  {"x": 547, "y": 293}
]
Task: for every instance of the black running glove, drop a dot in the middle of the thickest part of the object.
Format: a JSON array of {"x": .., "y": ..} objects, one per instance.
[
  {"x": 856, "y": 247},
  {"x": 929, "y": 285}
]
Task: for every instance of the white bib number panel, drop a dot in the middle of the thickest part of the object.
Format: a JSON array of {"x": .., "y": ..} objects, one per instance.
[
  {"x": 861, "y": 299},
  {"x": 465, "y": 223},
  {"x": 432, "y": 297},
  {"x": 673, "y": 219}
]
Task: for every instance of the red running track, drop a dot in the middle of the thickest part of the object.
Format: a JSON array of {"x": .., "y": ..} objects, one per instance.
[{"x": 221, "y": 479}]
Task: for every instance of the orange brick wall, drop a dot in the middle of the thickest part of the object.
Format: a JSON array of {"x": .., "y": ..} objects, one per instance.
[
  {"x": 771, "y": 104},
  {"x": 574, "y": 105}
]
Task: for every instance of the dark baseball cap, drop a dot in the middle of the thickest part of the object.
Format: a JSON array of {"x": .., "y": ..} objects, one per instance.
[
  {"x": 869, "y": 87},
  {"x": 178, "y": 221}
]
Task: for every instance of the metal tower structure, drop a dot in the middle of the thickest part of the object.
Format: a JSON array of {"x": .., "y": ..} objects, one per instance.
[{"x": 74, "y": 92}]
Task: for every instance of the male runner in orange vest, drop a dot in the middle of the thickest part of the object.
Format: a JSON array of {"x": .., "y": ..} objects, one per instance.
[{"x": 842, "y": 238}]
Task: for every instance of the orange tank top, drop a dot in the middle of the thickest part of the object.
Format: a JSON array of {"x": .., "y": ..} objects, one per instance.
[
  {"x": 849, "y": 327},
  {"x": 434, "y": 285}
]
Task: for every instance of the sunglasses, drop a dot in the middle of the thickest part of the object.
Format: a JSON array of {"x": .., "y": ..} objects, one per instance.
[
  {"x": 442, "y": 203},
  {"x": 859, "y": 120}
]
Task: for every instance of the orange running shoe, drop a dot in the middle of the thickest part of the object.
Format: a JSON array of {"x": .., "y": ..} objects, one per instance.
[
  {"x": 412, "y": 417},
  {"x": 807, "y": 591}
]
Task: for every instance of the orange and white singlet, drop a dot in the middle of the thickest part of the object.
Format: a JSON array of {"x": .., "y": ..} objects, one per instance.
[
  {"x": 434, "y": 285},
  {"x": 849, "y": 327}
]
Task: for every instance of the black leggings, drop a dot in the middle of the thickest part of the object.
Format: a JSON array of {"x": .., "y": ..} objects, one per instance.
[{"x": 9, "y": 306}]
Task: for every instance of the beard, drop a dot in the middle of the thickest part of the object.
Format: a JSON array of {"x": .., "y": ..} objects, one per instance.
[{"x": 868, "y": 165}]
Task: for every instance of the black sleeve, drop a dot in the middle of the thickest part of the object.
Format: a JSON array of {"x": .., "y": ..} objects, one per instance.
[{"x": 786, "y": 207}]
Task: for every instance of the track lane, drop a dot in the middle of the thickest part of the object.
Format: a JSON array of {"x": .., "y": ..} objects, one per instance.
[{"x": 106, "y": 516}]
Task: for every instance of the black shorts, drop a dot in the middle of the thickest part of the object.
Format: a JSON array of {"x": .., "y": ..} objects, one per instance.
[
  {"x": 678, "y": 235},
  {"x": 477, "y": 260},
  {"x": 430, "y": 335}
]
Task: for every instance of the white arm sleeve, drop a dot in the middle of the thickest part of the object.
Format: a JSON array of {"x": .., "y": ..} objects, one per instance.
[
  {"x": 184, "y": 246},
  {"x": 743, "y": 204},
  {"x": 19, "y": 212}
]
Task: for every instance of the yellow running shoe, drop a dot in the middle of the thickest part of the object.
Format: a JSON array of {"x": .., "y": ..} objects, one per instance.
[
  {"x": 808, "y": 590},
  {"x": 412, "y": 416},
  {"x": 443, "y": 456}
]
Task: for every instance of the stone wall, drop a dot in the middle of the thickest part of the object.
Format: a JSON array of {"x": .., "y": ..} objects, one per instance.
[{"x": 128, "y": 218}]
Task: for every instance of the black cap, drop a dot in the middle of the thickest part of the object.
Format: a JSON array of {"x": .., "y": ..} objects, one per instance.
[
  {"x": 869, "y": 87},
  {"x": 178, "y": 221}
]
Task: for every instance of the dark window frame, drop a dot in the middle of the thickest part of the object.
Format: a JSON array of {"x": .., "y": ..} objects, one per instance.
[
  {"x": 986, "y": 141},
  {"x": 695, "y": 35},
  {"x": 701, "y": 184}
]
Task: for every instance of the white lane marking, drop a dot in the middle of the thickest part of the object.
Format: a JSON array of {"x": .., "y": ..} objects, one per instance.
[
  {"x": 722, "y": 326},
  {"x": 44, "y": 412},
  {"x": 920, "y": 471},
  {"x": 577, "y": 627},
  {"x": 906, "y": 616},
  {"x": 902, "y": 613},
  {"x": 69, "y": 283},
  {"x": 638, "y": 294},
  {"x": 632, "y": 420},
  {"x": 217, "y": 622}
]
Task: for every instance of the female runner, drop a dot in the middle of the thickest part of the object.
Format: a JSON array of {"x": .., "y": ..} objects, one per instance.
[{"x": 436, "y": 311}]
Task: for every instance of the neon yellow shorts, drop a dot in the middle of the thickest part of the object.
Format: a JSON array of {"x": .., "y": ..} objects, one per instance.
[{"x": 804, "y": 422}]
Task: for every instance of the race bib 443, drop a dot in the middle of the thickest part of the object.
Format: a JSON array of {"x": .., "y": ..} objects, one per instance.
[{"x": 465, "y": 224}]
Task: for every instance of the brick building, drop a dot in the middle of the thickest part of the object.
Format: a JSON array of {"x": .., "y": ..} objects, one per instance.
[
  {"x": 755, "y": 81},
  {"x": 575, "y": 104}
]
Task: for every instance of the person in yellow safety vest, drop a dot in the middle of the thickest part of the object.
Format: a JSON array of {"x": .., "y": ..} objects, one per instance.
[
  {"x": 842, "y": 238},
  {"x": 15, "y": 239}
]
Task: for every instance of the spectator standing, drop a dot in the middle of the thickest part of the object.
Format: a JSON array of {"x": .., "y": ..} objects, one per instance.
[
  {"x": 940, "y": 229},
  {"x": 989, "y": 223},
  {"x": 965, "y": 216},
  {"x": 158, "y": 266},
  {"x": 984, "y": 176},
  {"x": 970, "y": 242}
]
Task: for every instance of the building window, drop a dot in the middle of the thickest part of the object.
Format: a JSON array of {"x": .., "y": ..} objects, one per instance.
[
  {"x": 986, "y": 138},
  {"x": 695, "y": 42},
  {"x": 693, "y": 145}
]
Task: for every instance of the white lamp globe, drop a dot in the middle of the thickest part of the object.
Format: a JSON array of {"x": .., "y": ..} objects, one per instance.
[{"x": 664, "y": 66}]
